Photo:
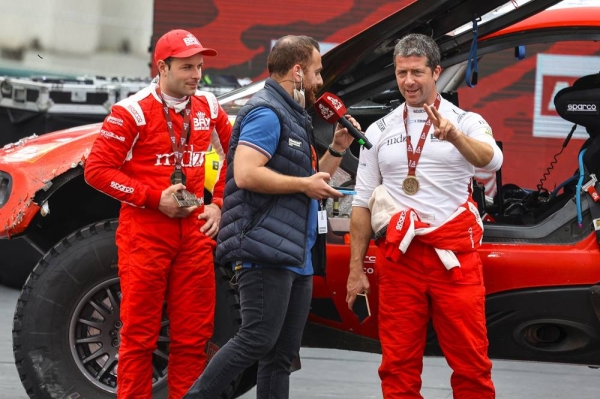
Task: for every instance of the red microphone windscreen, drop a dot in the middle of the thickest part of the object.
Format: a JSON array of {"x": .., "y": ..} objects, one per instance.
[{"x": 330, "y": 107}]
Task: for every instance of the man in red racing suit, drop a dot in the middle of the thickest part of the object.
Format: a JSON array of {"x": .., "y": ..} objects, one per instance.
[
  {"x": 150, "y": 147},
  {"x": 424, "y": 156}
]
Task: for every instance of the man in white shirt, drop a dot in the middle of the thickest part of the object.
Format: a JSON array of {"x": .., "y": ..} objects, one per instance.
[{"x": 424, "y": 156}]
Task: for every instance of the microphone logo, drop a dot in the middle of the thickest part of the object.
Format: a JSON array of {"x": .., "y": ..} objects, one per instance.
[
  {"x": 337, "y": 104},
  {"x": 331, "y": 108},
  {"x": 326, "y": 113}
]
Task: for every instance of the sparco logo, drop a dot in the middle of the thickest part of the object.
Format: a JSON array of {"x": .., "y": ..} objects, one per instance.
[
  {"x": 135, "y": 114},
  {"x": 401, "y": 219},
  {"x": 582, "y": 107},
  {"x": 121, "y": 187},
  {"x": 471, "y": 237}
]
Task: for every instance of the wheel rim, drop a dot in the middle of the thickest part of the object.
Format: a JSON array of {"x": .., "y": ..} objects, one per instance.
[{"x": 94, "y": 338}]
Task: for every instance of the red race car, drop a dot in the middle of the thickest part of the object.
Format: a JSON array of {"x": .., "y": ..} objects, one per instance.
[{"x": 540, "y": 251}]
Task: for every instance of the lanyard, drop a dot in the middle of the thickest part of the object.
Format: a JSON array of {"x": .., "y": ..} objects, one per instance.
[
  {"x": 413, "y": 156},
  {"x": 185, "y": 130}
]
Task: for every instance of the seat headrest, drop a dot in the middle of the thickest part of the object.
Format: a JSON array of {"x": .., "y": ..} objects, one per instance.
[{"x": 580, "y": 103}]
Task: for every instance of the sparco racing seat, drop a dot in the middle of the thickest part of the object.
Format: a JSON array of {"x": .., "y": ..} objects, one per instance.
[{"x": 580, "y": 104}]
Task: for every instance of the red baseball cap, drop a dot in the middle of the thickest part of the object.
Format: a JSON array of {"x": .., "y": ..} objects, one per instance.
[{"x": 179, "y": 43}]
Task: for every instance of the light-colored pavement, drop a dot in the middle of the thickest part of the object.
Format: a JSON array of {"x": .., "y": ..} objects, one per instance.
[{"x": 333, "y": 374}]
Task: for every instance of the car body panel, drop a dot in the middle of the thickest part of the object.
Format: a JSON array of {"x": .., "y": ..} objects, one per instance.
[
  {"x": 32, "y": 164},
  {"x": 351, "y": 75},
  {"x": 577, "y": 16},
  {"x": 532, "y": 267},
  {"x": 536, "y": 266}
]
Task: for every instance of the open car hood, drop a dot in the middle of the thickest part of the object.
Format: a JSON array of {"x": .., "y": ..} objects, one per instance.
[{"x": 362, "y": 65}]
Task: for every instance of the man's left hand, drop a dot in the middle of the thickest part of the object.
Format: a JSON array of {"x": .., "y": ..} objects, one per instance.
[
  {"x": 341, "y": 138},
  {"x": 358, "y": 282},
  {"x": 212, "y": 215}
]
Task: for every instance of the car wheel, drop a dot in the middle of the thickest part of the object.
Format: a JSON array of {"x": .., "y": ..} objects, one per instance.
[{"x": 66, "y": 324}]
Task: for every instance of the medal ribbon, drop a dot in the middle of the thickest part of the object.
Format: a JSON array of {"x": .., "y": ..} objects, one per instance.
[
  {"x": 413, "y": 156},
  {"x": 185, "y": 130}
]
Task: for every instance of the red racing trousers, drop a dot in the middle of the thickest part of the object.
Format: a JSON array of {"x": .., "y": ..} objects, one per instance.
[
  {"x": 163, "y": 259},
  {"x": 412, "y": 292}
]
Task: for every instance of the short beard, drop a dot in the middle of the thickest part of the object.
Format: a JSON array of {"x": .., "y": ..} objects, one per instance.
[{"x": 310, "y": 97}]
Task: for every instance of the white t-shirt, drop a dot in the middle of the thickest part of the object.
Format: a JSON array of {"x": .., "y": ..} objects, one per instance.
[{"x": 444, "y": 174}]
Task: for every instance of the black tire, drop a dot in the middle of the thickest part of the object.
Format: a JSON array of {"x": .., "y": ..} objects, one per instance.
[{"x": 66, "y": 323}]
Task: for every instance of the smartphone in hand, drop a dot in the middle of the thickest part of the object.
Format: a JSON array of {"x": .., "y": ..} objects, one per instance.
[
  {"x": 345, "y": 190},
  {"x": 361, "y": 307}
]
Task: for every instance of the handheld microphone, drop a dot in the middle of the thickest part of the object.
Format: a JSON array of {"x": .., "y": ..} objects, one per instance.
[{"x": 331, "y": 108}]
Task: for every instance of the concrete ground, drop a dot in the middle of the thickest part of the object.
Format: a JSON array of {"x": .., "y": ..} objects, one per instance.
[{"x": 353, "y": 375}]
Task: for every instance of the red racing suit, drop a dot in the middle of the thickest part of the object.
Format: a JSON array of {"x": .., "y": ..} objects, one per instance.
[
  {"x": 425, "y": 283},
  {"x": 160, "y": 258},
  {"x": 414, "y": 262}
]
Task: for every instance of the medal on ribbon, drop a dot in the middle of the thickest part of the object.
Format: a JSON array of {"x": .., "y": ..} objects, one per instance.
[
  {"x": 183, "y": 198},
  {"x": 410, "y": 185}
]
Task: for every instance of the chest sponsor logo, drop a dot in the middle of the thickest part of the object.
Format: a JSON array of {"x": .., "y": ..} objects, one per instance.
[
  {"x": 201, "y": 122},
  {"x": 120, "y": 187},
  {"x": 396, "y": 140},
  {"x": 190, "y": 158},
  {"x": 294, "y": 143},
  {"x": 115, "y": 121},
  {"x": 111, "y": 135}
]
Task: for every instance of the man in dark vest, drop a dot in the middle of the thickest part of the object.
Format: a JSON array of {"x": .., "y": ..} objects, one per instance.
[{"x": 273, "y": 220}]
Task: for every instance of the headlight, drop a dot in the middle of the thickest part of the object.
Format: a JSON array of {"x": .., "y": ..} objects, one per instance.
[{"x": 5, "y": 188}]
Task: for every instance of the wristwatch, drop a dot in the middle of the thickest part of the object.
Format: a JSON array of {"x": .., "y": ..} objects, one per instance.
[{"x": 335, "y": 153}]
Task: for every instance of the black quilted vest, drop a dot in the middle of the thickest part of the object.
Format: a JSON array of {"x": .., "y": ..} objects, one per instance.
[{"x": 271, "y": 229}]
